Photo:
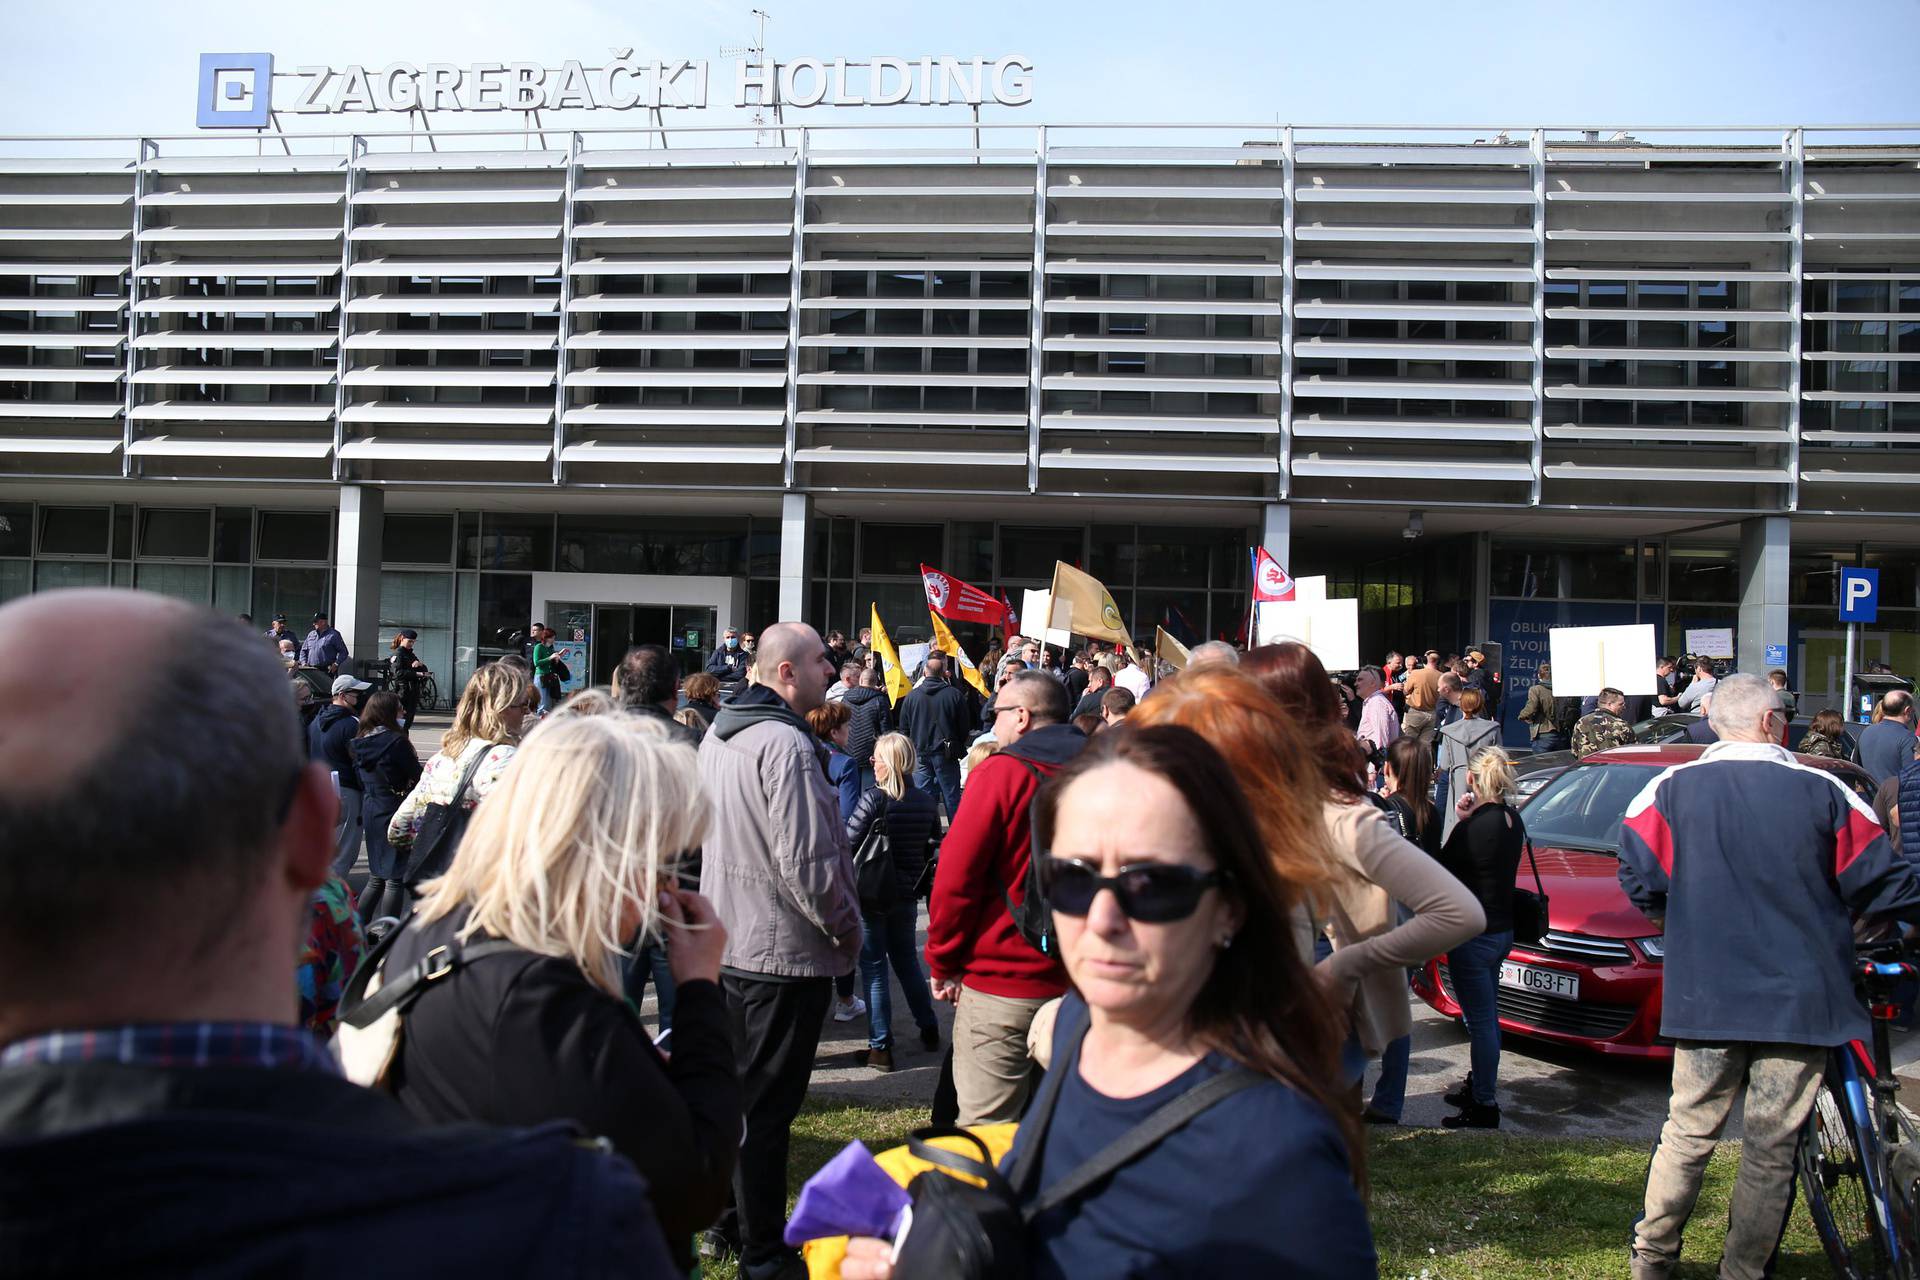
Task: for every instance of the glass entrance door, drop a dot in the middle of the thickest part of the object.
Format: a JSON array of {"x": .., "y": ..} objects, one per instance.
[
  {"x": 612, "y": 637},
  {"x": 694, "y": 637}
]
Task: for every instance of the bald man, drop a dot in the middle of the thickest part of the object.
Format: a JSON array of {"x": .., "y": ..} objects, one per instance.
[
  {"x": 777, "y": 871},
  {"x": 152, "y": 901}
]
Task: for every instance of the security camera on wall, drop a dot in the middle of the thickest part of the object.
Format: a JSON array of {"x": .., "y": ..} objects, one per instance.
[{"x": 1416, "y": 526}]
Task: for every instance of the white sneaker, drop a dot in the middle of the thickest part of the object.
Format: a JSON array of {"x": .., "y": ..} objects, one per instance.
[{"x": 849, "y": 1010}]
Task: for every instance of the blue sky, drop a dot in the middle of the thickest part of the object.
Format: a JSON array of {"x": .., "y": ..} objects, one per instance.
[{"x": 125, "y": 66}]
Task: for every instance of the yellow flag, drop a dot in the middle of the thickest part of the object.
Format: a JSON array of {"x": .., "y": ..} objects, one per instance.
[
  {"x": 897, "y": 682},
  {"x": 944, "y": 641},
  {"x": 1168, "y": 649},
  {"x": 1094, "y": 614}
]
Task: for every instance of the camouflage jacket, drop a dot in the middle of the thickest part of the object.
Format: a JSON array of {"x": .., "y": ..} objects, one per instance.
[{"x": 1600, "y": 731}]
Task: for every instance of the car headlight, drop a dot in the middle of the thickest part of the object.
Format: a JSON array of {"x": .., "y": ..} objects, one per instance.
[{"x": 1654, "y": 949}]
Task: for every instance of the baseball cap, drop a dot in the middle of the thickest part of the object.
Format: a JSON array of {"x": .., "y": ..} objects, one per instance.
[
  {"x": 320, "y": 617},
  {"x": 347, "y": 684},
  {"x": 279, "y": 617},
  {"x": 408, "y": 633}
]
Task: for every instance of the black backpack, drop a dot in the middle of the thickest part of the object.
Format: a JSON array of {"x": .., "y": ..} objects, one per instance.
[
  {"x": 1032, "y": 916},
  {"x": 442, "y": 826},
  {"x": 963, "y": 1231},
  {"x": 874, "y": 878}
]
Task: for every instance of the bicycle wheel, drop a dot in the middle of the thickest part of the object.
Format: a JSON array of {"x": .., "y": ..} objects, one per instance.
[
  {"x": 1833, "y": 1174},
  {"x": 429, "y": 693}
]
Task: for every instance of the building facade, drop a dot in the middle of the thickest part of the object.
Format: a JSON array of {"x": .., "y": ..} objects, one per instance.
[{"x": 647, "y": 384}]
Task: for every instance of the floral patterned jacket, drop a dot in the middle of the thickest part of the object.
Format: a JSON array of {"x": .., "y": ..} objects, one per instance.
[{"x": 437, "y": 782}]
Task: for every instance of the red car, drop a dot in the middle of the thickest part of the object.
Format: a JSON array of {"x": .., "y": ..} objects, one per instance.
[{"x": 1594, "y": 980}]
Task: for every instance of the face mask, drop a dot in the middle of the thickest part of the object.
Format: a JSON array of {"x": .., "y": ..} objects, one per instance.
[{"x": 732, "y": 643}]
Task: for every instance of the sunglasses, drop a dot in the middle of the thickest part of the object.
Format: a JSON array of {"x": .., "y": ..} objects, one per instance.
[{"x": 1150, "y": 892}]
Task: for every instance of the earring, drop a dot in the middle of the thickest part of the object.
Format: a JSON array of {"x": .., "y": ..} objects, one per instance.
[{"x": 1226, "y": 940}]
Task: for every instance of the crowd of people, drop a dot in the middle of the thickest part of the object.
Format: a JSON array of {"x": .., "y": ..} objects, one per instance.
[{"x": 1177, "y": 900}]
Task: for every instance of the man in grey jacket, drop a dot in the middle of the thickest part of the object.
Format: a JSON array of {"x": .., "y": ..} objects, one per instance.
[{"x": 777, "y": 871}]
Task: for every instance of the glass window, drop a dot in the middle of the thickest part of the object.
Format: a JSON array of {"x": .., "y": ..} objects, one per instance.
[
  {"x": 52, "y": 575},
  {"x": 629, "y": 544},
  {"x": 16, "y": 529},
  {"x": 176, "y": 535},
  {"x": 970, "y": 554},
  {"x": 515, "y": 542},
  {"x": 409, "y": 539},
  {"x": 123, "y": 531},
  {"x": 298, "y": 593},
  {"x": 1175, "y": 558},
  {"x": 1583, "y": 807},
  {"x": 1030, "y": 553},
  {"x": 1699, "y": 574},
  {"x": 233, "y": 535},
  {"x": 887, "y": 549},
  {"x": 189, "y": 582},
  {"x": 73, "y": 531},
  {"x": 506, "y": 607},
  {"x": 295, "y": 535}
]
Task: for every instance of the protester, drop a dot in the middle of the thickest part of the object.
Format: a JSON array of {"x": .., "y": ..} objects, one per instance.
[
  {"x": 1747, "y": 833},
  {"x": 728, "y": 664},
  {"x": 1602, "y": 729},
  {"x": 1538, "y": 713},
  {"x": 1422, "y": 685},
  {"x": 1460, "y": 742},
  {"x": 976, "y": 753},
  {"x": 976, "y": 954},
  {"x": 329, "y": 741},
  {"x": 777, "y": 871},
  {"x": 590, "y": 701},
  {"x": 1088, "y": 724},
  {"x": 1371, "y": 947},
  {"x": 1827, "y": 736},
  {"x": 333, "y": 949},
  {"x": 572, "y": 853},
  {"x": 1699, "y": 687},
  {"x": 1887, "y": 745},
  {"x": 546, "y": 680},
  {"x": 406, "y": 674},
  {"x": 289, "y": 654},
  {"x": 702, "y": 699},
  {"x": 1886, "y": 810},
  {"x": 935, "y": 716},
  {"x": 1409, "y": 796},
  {"x": 646, "y": 684},
  {"x": 1483, "y": 853},
  {"x": 1789, "y": 705},
  {"x": 1447, "y": 710},
  {"x": 1099, "y": 680},
  {"x": 866, "y": 703},
  {"x": 1133, "y": 674},
  {"x": 1701, "y": 731},
  {"x": 387, "y": 768},
  {"x": 324, "y": 647},
  {"x": 1172, "y": 919},
  {"x": 1909, "y": 790},
  {"x": 478, "y": 745},
  {"x": 1075, "y": 677},
  {"x": 846, "y": 677},
  {"x": 145, "y": 906},
  {"x": 1116, "y": 704},
  {"x": 906, "y": 815}
]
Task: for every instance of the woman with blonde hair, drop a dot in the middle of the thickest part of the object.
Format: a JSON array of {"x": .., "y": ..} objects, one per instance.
[
  {"x": 1339, "y": 855},
  {"x": 571, "y": 859},
  {"x": 906, "y": 814},
  {"x": 473, "y": 753},
  {"x": 1483, "y": 852}
]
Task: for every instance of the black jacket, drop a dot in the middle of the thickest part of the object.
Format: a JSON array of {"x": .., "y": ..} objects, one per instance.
[
  {"x": 729, "y": 665},
  {"x": 521, "y": 1039},
  {"x": 869, "y": 722},
  {"x": 387, "y": 766},
  {"x": 937, "y": 718},
  {"x": 1483, "y": 853},
  {"x": 245, "y": 1172},
  {"x": 330, "y": 742},
  {"x": 1076, "y": 681},
  {"x": 911, "y": 822}
]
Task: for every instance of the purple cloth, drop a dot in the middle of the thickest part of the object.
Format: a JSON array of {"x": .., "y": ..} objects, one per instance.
[{"x": 850, "y": 1196}]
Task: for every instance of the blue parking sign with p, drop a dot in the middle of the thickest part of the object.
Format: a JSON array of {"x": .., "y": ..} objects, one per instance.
[{"x": 1859, "y": 595}]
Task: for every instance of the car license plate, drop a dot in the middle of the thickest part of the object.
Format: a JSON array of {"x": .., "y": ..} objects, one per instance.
[{"x": 1546, "y": 982}]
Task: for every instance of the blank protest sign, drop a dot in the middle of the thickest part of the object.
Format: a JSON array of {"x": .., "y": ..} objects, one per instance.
[{"x": 1588, "y": 659}]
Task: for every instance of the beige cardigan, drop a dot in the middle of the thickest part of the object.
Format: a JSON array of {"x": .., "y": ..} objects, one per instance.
[{"x": 1371, "y": 955}]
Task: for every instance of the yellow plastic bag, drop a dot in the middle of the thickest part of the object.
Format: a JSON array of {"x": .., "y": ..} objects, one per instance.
[{"x": 823, "y": 1256}]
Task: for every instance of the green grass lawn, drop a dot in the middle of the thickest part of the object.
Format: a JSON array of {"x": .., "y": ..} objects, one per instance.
[{"x": 1449, "y": 1206}]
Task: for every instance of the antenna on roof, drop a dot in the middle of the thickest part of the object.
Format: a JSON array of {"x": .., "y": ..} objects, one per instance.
[{"x": 758, "y": 51}]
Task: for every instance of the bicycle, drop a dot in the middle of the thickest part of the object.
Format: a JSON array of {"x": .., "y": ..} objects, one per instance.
[
  {"x": 1859, "y": 1157},
  {"x": 429, "y": 693}
]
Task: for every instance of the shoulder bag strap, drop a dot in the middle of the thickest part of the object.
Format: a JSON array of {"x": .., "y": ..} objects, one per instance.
[
  {"x": 1027, "y": 1167},
  {"x": 467, "y": 774},
  {"x": 1040, "y": 777},
  {"x": 1142, "y": 1137},
  {"x": 920, "y": 1144},
  {"x": 1528, "y": 838},
  {"x": 357, "y": 1009}
]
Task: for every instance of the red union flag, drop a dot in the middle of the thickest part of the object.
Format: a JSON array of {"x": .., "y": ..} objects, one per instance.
[
  {"x": 956, "y": 601},
  {"x": 1270, "y": 582}
]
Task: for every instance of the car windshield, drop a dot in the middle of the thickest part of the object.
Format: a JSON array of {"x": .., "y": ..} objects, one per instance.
[{"x": 1582, "y": 808}]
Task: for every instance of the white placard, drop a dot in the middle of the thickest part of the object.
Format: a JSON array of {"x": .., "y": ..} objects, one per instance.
[
  {"x": 1038, "y": 605},
  {"x": 1588, "y": 659},
  {"x": 1331, "y": 628},
  {"x": 1713, "y": 642},
  {"x": 913, "y": 657},
  {"x": 1307, "y": 591}
]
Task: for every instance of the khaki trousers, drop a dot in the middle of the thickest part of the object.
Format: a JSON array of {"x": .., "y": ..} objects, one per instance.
[
  {"x": 990, "y": 1061},
  {"x": 1779, "y": 1081}
]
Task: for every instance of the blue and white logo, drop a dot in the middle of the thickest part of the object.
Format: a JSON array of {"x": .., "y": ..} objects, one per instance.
[{"x": 236, "y": 90}]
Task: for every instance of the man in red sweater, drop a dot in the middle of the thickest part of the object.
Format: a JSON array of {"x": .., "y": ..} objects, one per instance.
[{"x": 978, "y": 959}]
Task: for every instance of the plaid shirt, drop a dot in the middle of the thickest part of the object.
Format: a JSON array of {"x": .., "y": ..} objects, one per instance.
[{"x": 175, "y": 1044}]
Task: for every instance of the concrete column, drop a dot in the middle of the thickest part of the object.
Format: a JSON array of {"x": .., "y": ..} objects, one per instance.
[
  {"x": 1276, "y": 533},
  {"x": 1766, "y": 545},
  {"x": 356, "y": 588},
  {"x": 796, "y": 546}
]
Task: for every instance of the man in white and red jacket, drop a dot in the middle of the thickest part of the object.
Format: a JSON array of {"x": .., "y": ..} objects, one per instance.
[
  {"x": 978, "y": 958},
  {"x": 1755, "y": 865}
]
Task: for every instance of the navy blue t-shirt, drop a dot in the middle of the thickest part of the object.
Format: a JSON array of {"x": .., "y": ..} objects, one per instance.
[{"x": 1256, "y": 1185}]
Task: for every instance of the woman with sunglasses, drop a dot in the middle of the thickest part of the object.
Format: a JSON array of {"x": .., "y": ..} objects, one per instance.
[
  {"x": 571, "y": 859},
  {"x": 1372, "y": 942},
  {"x": 1172, "y": 921}
]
